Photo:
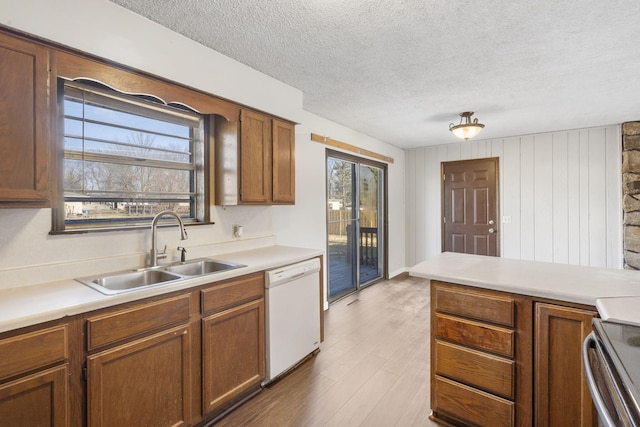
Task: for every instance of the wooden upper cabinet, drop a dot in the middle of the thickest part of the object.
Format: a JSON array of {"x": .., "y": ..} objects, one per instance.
[
  {"x": 266, "y": 160},
  {"x": 283, "y": 162},
  {"x": 26, "y": 145},
  {"x": 255, "y": 157}
]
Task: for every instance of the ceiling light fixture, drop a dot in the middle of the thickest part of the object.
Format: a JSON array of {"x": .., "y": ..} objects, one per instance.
[{"x": 468, "y": 129}]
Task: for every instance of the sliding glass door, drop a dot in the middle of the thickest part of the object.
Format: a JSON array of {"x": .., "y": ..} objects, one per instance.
[{"x": 355, "y": 223}]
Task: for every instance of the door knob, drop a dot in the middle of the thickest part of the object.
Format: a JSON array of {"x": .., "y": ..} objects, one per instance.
[
  {"x": 491, "y": 222},
  {"x": 491, "y": 231}
]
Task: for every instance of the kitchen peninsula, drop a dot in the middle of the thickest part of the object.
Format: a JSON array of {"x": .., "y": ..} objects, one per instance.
[{"x": 506, "y": 337}]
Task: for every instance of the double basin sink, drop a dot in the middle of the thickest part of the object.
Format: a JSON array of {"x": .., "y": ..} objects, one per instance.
[{"x": 130, "y": 280}]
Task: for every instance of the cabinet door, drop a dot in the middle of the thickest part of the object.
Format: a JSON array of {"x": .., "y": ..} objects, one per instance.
[
  {"x": 283, "y": 162},
  {"x": 562, "y": 396},
  {"x": 41, "y": 399},
  {"x": 255, "y": 158},
  {"x": 25, "y": 137},
  {"x": 233, "y": 354},
  {"x": 143, "y": 383}
]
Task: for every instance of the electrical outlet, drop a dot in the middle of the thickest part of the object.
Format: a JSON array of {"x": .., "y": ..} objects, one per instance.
[{"x": 506, "y": 219}]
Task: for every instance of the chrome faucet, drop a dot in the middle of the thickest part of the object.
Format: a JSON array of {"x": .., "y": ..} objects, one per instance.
[{"x": 154, "y": 254}]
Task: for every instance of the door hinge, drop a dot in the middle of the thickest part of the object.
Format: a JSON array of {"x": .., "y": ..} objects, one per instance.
[
  {"x": 444, "y": 219},
  {"x": 444, "y": 177},
  {"x": 84, "y": 374}
]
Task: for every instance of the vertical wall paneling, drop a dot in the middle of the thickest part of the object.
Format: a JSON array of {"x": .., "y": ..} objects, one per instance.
[
  {"x": 423, "y": 201},
  {"x": 561, "y": 191},
  {"x": 573, "y": 197},
  {"x": 454, "y": 152},
  {"x": 583, "y": 211},
  {"x": 467, "y": 151},
  {"x": 434, "y": 228},
  {"x": 474, "y": 151},
  {"x": 482, "y": 149},
  {"x": 597, "y": 198},
  {"x": 411, "y": 212},
  {"x": 496, "y": 149},
  {"x": 614, "y": 195},
  {"x": 543, "y": 197},
  {"x": 560, "y": 201},
  {"x": 510, "y": 200},
  {"x": 527, "y": 199}
]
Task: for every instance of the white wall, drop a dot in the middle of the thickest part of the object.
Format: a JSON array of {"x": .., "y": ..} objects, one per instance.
[
  {"x": 562, "y": 191},
  {"x": 28, "y": 254}
]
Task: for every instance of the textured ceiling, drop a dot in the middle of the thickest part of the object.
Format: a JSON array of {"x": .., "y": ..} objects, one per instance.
[{"x": 402, "y": 70}]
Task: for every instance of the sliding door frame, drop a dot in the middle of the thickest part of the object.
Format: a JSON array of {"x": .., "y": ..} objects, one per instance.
[{"x": 383, "y": 216}]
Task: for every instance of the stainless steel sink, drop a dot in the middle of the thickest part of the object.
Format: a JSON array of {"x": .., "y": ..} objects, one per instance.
[
  {"x": 124, "y": 281},
  {"x": 201, "y": 267},
  {"x": 131, "y": 280}
]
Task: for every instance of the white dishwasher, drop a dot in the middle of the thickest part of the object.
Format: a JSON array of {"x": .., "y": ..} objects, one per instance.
[{"x": 293, "y": 315}]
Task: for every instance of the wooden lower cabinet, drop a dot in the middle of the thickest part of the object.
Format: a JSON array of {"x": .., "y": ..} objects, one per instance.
[
  {"x": 562, "y": 395},
  {"x": 173, "y": 360},
  {"x": 40, "y": 399},
  {"x": 233, "y": 354},
  {"x": 480, "y": 357},
  {"x": 146, "y": 382},
  {"x": 470, "y": 406},
  {"x": 34, "y": 377},
  {"x": 233, "y": 341},
  {"x": 500, "y": 359}
]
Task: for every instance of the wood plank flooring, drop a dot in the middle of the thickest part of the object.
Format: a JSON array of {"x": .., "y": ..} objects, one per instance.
[{"x": 372, "y": 370}]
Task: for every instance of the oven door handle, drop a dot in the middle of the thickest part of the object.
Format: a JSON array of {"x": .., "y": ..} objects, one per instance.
[{"x": 588, "y": 344}]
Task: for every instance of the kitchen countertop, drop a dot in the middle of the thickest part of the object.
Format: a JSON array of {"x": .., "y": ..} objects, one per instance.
[
  {"x": 31, "y": 305},
  {"x": 562, "y": 282}
]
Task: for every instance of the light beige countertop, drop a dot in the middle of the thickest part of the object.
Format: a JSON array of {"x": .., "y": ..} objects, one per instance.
[
  {"x": 562, "y": 282},
  {"x": 31, "y": 305}
]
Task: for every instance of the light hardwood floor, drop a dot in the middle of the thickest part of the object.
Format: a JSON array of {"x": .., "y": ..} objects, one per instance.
[{"x": 372, "y": 370}]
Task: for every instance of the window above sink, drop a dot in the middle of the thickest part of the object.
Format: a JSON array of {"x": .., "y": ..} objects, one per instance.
[{"x": 126, "y": 158}]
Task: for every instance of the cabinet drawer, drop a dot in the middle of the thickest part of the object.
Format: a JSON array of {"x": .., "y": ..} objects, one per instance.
[
  {"x": 471, "y": 406},
  {"x": 475, "y": 305},
  {"x": 474, "y": 334},
  {"x": 232, "y": 292},
  {"x": 33, "y": 350},
  {"x": 484, "y": 371},
  {"x": 113, "y": 327}
]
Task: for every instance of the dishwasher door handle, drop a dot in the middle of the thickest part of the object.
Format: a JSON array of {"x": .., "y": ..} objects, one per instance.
[{"x": 297, "y": 276}]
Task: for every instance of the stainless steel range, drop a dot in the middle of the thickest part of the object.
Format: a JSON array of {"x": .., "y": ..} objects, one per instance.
[{"x": 611, "y": 356}]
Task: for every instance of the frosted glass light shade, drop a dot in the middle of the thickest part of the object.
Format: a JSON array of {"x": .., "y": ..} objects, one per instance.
[{"x": 468, "y": 129}]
